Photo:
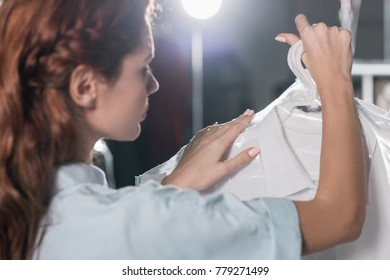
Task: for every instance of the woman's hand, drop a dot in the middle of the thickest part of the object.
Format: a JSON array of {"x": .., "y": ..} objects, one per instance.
[
  {"x": 201, "y": 165},
  {"x": 327, "y": 52}
]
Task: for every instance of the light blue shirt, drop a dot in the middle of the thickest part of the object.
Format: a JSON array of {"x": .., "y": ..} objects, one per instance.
[{"x": 88, "y": 220}]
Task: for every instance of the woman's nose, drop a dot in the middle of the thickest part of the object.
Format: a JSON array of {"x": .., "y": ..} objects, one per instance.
[{"x": 153, "y": 84}]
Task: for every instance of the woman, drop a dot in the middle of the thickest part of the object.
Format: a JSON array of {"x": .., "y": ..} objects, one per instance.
[{"x": 71, "y": 74}]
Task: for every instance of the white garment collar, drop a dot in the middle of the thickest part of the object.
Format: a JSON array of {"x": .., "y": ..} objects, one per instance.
[{"x": 283, "y": 172}]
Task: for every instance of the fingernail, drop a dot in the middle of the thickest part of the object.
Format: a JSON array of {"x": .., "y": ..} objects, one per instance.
[
  {"x": 280, "y": 39},
  {"x": 253, "y": 152},
  {"x": 248, "y": 112}
]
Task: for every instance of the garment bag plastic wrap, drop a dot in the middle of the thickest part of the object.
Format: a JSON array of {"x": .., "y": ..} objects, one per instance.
[{"x": 288, "y": 133}]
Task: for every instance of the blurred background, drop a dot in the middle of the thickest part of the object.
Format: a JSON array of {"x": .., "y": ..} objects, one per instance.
[{"x": 243, "y": 67}]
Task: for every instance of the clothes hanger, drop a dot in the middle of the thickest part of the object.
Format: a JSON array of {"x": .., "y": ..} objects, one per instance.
[{"x": 306, "y": 97}]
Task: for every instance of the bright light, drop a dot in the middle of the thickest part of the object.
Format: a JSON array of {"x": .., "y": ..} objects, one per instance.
[{"x": 201, "y": 9}]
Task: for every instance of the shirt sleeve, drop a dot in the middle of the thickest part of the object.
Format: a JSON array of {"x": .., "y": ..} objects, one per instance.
[
  {"x": 175, "y": 224},
  {"x": 155, "y": 222}
]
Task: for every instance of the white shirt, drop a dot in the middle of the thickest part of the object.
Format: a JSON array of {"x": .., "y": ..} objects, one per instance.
[
  {"x": 88, "y": 220},
  {"x": 279, "y": 170}
]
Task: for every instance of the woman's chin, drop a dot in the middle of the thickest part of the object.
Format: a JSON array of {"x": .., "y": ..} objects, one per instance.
[
  {"x": 135, "y": 134},
  {"x": 129, "y": 136}
]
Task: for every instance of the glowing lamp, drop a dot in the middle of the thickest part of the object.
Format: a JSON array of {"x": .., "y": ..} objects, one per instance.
[{"x": 201, "y": 9}]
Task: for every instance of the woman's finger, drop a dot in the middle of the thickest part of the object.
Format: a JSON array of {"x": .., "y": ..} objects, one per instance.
[
  {"x": 207, "y": 131},
  {"x": 302, "y": 24},
  {"x": 243, "y": 158},
  {"x": 288, "y": 38},
  {"x": 228, "y": 132}
]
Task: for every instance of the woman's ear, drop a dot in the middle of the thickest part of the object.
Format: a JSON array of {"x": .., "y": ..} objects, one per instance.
[{"x": 83, "y": 87}]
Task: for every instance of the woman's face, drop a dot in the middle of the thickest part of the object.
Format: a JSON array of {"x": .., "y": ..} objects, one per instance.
[{"x": 124, "y": 104}]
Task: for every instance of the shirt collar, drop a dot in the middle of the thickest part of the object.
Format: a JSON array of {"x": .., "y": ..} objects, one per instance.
[
  {"x": 283, "y": 172},
  {"x": 70, "y": 175}
]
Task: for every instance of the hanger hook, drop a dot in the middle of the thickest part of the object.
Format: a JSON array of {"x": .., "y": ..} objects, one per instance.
[{"x": 294, "y": 60}]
